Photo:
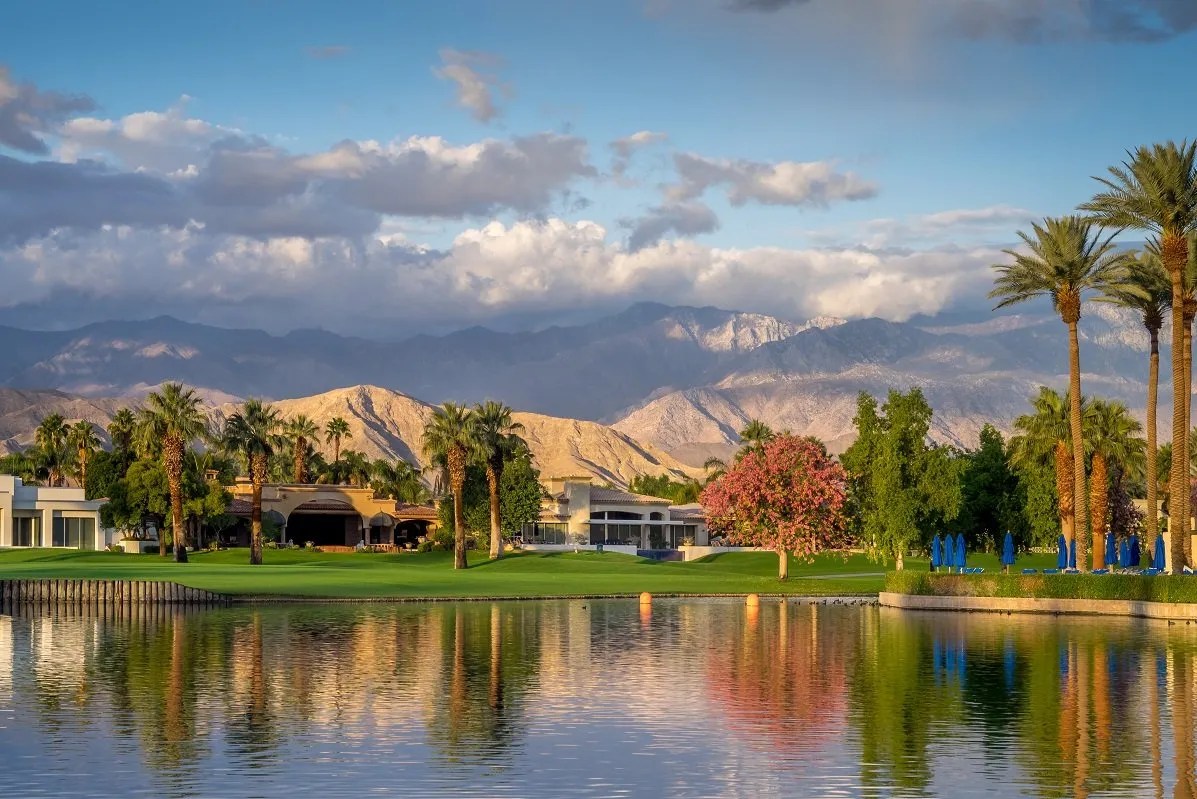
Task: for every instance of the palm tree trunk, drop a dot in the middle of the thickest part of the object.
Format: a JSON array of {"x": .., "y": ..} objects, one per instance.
[
  {"x": 1065, "y": 486},
  {"x": 297, "y": 453},
  {"x": 1190, "y": 311},
  {"x": 1153, "y": 390},
  {"x": 1178, "y": 478},
  {"x": 457, "y": 478},
  {"x": 173, "y": 453},
  {"x": 1098, "y": 506},
  {"x": 493, "y": 476},
  {"x": 257, "y": 468},
  {"x": 336, "y": 448},
  {"x": 1083, "y": 534}
]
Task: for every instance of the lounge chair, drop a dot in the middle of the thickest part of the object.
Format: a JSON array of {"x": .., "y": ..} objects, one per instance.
[
  {"x": 1152, "y": 572},
  {"x": 1050, "y": 571},
  {"x": 1100, "y": 571},
  {"x": 1032, "y": 571}
]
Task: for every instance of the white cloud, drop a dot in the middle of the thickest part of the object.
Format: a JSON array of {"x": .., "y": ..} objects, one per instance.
[
  {"x": 526, "y": 268},
  {"x": 474, "y": 75},
  {"x": 810, "y": 183},
  {"x": 992, "y": 223},
  {"x": 686, "y": 219},
  {"x": 627, "y": 146}
]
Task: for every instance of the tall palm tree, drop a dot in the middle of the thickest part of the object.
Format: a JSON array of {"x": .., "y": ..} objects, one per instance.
[
  {"x": 499, "y": 439},
  {"x": 1148, "y": 292},
  {"x": 253, "y": 432},
  {"x": 756, "y": 432},
  {"x": 354, "y": 468},
  {"x": 1065, "y": 260},
  {"x": 1112, "y": 433},
  {"x": 121, "y": 430},
  {"x": 51, "y": 438},
  {"x": 1044, "y": 437},
  {"x": 451, "y": 434},
  {"x": 83, "y": 440},
  {"x": 398, "y": 480},
  {"x": 714, "y": 467},
  {"x": 336, "y": 430},
  {"x": 172, "y": 416},
  {"x": 1155, "y": 190},
  {"x": 300, "y": 431}
]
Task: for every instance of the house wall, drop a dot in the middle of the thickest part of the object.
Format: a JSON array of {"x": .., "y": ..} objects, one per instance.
[{"x": 18, "y": 499}]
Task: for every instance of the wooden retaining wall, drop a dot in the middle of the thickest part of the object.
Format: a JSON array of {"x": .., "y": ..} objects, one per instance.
[{"x": 104, "y": 592}]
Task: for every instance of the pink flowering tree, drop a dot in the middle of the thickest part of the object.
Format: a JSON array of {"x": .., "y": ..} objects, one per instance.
[{"x": 787, "y": 495}]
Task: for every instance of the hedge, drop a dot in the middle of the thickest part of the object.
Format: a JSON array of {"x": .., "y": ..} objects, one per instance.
[{"x": 1161, "y": 588}]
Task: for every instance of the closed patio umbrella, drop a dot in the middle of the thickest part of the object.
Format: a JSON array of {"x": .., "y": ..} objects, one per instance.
[
  {"x": 1159, "y": 552},
  {"x": 1111, "y": 549},
  {"x": 1062, "y": 553},
  {"x": 1072, "y": 554},
  {"x": 1136, "y": 555},
  {"x": 936, "y": 555},
  {"x": 1008, "y": 550},
  {"x": 960, "y": 558},
  {"x": 1124, "y": 555},
  {"x": 949, "y": 552}
]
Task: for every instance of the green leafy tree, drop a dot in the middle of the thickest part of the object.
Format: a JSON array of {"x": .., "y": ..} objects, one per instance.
[
  {"x": 51, "y": 439},
  {"x": 498, "y": 438},
  {"x": 1064, "y": 259},
  {"x": 521, "y": 493},
  {"x": 25, "y": 465},
  {"x": 143, "y": 493},
  {"x": 172, "y": 416},
  {"x": 451, "y": 437},
  {"x": 991, "y": 496},
  {"x": 661, "y": 485},
  {"x": 1155, "y": 190},
  {"x": 1044, "y": 440},
  {"x": 254, "y": 433},
  {"x": 905, "y": 486}
]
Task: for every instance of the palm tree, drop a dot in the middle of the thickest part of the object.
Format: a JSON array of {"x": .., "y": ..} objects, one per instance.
[
  {"x": 121, "y": 430},
  {"x": 1064, "y": 261},
  {"x": 1044, "y": 437},
  {"x": 452, "y": 435},
  {"x": 334, "y": 431},
  {"x": 1148, "y": 292},
  {"x": 173, "y": 417},
  {"x": 756, "y": 434},
  {"x": 51, "y": 438},
  {"x": 498, "y": 436},
  {"x": 253, "y": 432},
  {"x": 398, "y": 480},
  {"x": 714, "y": 467},
  {"x": 354, "y": 468},
  {"x": 1155, "y": 190},
  {"x": 83, "y": 440},
  {"x": 1113, "y": 435},
  {"x": 300, "y": 431}
]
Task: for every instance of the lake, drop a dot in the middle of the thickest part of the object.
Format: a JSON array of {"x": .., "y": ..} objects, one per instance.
[{"x": 688, "y": 698}]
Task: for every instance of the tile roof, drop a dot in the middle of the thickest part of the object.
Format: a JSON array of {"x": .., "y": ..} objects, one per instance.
[{"x": 614, "y": 496}]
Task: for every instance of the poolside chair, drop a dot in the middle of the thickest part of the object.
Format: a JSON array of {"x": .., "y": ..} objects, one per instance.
[
  {"x": 1050, "y": 571},
  {"x": 1100, "y": 571},
  {"x": 1152, "y": 572},
  {"x": 1033, "y": 571}
]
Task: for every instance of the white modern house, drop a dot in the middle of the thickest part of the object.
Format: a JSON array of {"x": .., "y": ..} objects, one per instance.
[
  {"x": 37, "y": 516},
  {"x": 578, "y": 514}
]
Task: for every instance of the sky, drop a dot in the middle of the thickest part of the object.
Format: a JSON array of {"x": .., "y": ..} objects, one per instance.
[{"x": 392, "y": 167}]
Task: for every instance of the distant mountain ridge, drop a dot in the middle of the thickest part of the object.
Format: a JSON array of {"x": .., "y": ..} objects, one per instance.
[{"x": 680, "y": 379}]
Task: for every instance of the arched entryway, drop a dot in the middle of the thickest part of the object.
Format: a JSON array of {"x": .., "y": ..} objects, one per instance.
[{"x": 325, "y": 522}]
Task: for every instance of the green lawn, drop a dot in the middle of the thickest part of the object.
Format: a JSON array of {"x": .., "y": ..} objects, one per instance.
[{"x": 530, "y": 574}]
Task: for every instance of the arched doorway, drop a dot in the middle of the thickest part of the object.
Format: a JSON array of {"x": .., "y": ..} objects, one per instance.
[{"x": 325, "y": 522}]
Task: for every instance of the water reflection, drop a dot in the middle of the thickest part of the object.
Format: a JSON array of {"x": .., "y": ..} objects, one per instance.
[{"x": 594, "y": 698}]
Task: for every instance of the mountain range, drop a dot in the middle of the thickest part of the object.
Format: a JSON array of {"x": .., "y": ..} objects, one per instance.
[{"x": 674, "y": 381}]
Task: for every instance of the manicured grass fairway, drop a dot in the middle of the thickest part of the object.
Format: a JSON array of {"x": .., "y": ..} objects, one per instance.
[{"x": 529, "y": 574}]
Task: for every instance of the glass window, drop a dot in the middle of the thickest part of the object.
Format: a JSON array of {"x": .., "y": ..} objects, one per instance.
[
  {"x": 76, "y": 533},
  {"x": 26, "y": 531},
  {"x": 545, "y": 533}
]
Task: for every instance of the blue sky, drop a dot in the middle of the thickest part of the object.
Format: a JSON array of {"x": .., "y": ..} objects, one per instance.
[{"x": 457, "y": 163}]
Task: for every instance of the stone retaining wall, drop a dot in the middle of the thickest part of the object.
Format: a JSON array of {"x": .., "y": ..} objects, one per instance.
[
  {"x": 57, "y": 592},
  {"x": 996, "y": 604}
]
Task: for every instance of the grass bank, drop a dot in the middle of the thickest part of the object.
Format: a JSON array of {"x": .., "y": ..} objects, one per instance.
[
  {"x": 1161, "y": 588},
  {"x": 298, "y": 573}
]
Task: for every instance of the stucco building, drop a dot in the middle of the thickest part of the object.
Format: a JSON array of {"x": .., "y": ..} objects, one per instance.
[
  {"x": 39, "y": 516},
  {"x": 579, "y": 513}
]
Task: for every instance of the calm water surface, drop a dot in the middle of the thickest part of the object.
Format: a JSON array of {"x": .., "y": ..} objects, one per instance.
[{"x": 595, "y": 698}]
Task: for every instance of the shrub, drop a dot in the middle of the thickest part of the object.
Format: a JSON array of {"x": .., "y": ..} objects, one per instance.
[
  {"x": 309, "y": 544},
  {"x": 1161, "y": 588}
]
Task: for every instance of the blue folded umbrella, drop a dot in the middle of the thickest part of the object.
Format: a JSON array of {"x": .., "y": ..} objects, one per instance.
[
  {"x": 1159, "y": 552},
  {"x": 1072, "y": 554},
  {"x": 949, "y": 552},
  {"x": 1136, "y": 556},
  {"x": 961, "y": 561},
  {"x": 936, "y": 556},
  {"x": 1008, "y": 550},
  {"x": 1124, "y": 555},
  {"x": 1111, "y": 549},
  {"x": 1062, "y": 552}
]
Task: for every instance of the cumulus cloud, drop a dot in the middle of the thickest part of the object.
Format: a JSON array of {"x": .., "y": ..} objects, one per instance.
[
  {"x": 992, "y": 223},
  {"x": 474, "y": 74},
  {"x": 811, "y": 183},
  {"x": 1023, "y": 21},
  {"x": 27, "y": 114},
  {"x": 627, "y": 146},
  {"x": 525, "y": 268},
  {"x": 686, "y": 219}
]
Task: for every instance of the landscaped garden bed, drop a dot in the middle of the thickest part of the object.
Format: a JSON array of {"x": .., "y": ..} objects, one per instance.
[{"x": 1160, "y": 588}]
